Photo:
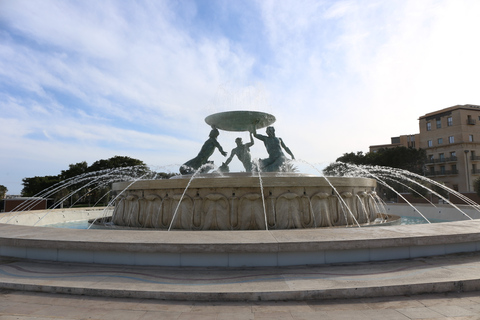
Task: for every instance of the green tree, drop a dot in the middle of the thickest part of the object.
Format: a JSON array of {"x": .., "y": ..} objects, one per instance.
[
  {"x": 3, "y": 191},
  {"x": 355, "y": 158},
  {"x": 81, "y": 184},
  {"x": 71, "y": 190},
  {"x": 476, "y": 186},
  {"x": 129, "y": 167},
  {"x": 119, "y": 162},
  {"x": 74, "y": 170},
  {"x": 37, "y": 185},
  {"x": 409, "y": 159},
  {"x": 404, "y": 158}
]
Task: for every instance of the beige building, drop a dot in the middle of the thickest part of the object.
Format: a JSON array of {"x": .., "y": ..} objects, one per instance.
[
  {"x": 451, "y": 138},
  {"x": 408, "y": 140}
]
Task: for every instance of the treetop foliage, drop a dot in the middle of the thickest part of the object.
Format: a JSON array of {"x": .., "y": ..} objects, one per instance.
[
  {"x": 405, "y": 158},
  {"x": 32, "y": 186},
  {"x": 3, "y": 191},
  {"x": 131, "y": 168},
  {"x": 116, "y": 162}
]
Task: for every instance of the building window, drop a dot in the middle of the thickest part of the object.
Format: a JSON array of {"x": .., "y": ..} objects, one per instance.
[
  {"x": 439, "y": 123},
  {"x": 430, "y": 158},
  {"x": 442, "y": 169},
  {"x": 453, "y": 155},
  {"x": 440, "y": 141},
  {"x": 451, "y": 139},
  {"x": 429, "y": 126},
  {"x": 470, "y": 120},
  {"x": 449, "y": 121},
  {"x": 454, "y": 168},
  {"x": 470, "y": 138},
  {"x": 441, "y": 156},
  {"x": 430, "y": 143},
  {"x": 395, "y": 140}
]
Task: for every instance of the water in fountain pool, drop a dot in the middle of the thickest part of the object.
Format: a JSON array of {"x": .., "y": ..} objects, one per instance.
[{"x": 84, "y": 224}]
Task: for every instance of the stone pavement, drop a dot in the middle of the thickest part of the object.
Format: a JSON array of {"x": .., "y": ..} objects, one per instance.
[
  {"x": 437, "y": 274},
  {"x": 400, "y": 289},
  {"x": 43, "y": 306}
]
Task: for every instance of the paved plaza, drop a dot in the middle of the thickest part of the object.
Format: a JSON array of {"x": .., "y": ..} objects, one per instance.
[
  {"x": 39, "y": 306},
  {"x": 441, "y": 287}
]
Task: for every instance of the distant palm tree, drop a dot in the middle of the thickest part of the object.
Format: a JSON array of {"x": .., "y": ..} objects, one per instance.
[{"x": 289, "y": 167}]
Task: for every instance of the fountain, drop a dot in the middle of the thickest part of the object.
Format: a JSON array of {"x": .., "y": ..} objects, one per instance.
[
  {"x": 255, "y": 218},
  {"x": 263, "y": 198}
]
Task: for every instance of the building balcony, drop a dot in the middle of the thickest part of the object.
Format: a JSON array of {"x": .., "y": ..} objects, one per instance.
[
  {"x": 475, "y": 171},
  {"x": 442, "y": 160},
  {"x": 471, "y": 122},
  {"x": 475, "y": 158},
  {"x": 442, "y": 173}
]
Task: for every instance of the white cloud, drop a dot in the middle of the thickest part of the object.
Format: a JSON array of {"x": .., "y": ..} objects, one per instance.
[
  {"x": 340, "y": 9},
  {"x": 87, "y": 80}
]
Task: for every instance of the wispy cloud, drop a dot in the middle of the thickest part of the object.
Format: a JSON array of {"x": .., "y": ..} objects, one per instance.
[{"x": 85, "y": 80}]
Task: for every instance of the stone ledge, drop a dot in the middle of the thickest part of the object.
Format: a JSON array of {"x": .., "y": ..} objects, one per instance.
[{"x": 298, "y": 240}]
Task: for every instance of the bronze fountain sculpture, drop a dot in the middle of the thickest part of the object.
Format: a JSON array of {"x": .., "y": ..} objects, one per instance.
[{"x": 263, "y": 197}]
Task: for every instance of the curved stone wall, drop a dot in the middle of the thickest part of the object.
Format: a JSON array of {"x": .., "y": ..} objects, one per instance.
[
  {"x": 232, "y": 249},
  {"x": 241, "y": 248},
  {"x": 245, "y": 202}
]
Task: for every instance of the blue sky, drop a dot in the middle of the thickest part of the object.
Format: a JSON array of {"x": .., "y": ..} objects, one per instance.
[{"x": 88, "y": 80}]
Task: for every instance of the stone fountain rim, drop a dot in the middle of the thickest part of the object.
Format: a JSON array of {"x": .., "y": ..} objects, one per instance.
[
  {"x": 340, "y": 238},
  {"x": 238, "y": 248},
  {"x": 240, "y": 120},
  {"x": 247, "y": 180}
]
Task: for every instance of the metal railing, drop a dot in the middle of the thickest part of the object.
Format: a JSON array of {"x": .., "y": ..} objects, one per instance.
[
  {"x": 441, "y": 173},
  {"x": 441, "y": 160}
]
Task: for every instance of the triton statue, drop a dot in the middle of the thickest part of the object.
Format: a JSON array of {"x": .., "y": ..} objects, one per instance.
[
  {"x": 202, "y": 158},
  {"x": 276, "y": 158},
  {"x": 242, "y": 151}
]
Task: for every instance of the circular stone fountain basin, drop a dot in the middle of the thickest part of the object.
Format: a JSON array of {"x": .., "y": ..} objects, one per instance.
[
  {"x": 234, "y": 248},
  {"x": 245, "y": 201}
]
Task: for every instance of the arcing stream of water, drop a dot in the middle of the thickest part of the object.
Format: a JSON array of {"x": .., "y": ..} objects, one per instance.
[{"x": 386, "y": 177}]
